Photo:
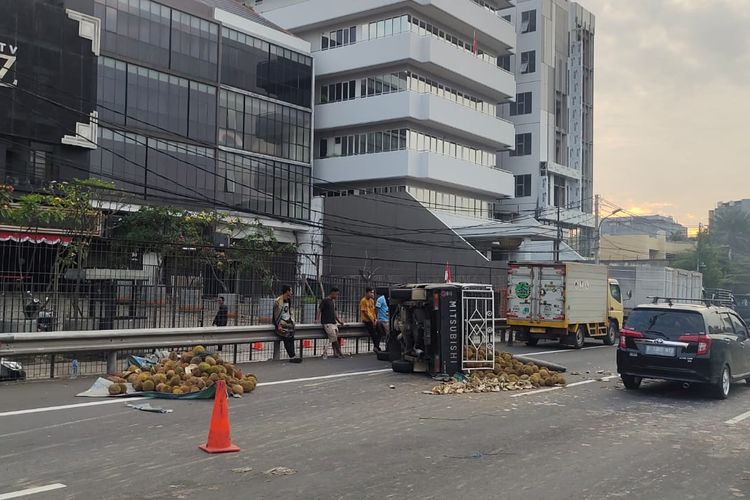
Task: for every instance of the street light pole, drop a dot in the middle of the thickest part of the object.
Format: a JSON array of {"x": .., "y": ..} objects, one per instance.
[{"x": 599, "y": 232}]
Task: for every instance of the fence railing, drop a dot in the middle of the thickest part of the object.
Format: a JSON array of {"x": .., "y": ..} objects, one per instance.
[{"x": 99, "y": 352}]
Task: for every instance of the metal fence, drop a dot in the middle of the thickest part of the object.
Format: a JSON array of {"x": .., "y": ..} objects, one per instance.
[{"x": 116, "y": 288}]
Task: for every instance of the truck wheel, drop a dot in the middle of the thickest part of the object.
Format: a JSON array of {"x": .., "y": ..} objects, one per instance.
[
  {"x": 579, "y": 338},
  {"x": 532, "y": 342},
  {"x": 611, "y": 337},
  {"x": 383, "y": 355},
  {"x": 631, "y": 382},
  {"x": 402, "y": 366},
  {"x": 721, "y": 388}
]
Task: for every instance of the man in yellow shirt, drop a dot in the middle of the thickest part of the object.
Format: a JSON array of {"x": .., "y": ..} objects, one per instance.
[{"x": 368, "y": 317}]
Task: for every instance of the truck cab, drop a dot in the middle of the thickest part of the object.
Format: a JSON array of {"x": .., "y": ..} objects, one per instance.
[{"x": 615, "y": 304}]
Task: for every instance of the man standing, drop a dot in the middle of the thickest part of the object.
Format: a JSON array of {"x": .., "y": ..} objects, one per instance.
[
  {"x": 383, "y": 320},
  {"x": 284, "y": 323},
  {"x": 222, "y": 314},
  {"x": 329, "y": 318},
  {"x": 367, "y": 316}
]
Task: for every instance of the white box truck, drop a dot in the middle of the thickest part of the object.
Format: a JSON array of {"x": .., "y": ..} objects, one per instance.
[
  {"x": 564, "y": 301},
  {"x": 639, "y": 282}
]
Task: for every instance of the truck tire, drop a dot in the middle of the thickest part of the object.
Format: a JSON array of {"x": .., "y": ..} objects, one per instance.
[
  {"x": 532, "y": 342},
  {"x": 631, "y": 382},
  {"x": 579, "y": 337},
  {"x": 402, "y": 366},
  {"x": 383, "y": 355},
  {"x": 612, "y": 332}
]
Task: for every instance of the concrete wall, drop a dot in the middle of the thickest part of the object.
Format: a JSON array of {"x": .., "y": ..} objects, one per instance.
[{"x": 425, "y": 245}]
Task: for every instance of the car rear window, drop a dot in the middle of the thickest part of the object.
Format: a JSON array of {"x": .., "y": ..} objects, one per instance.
[{"x": 666, "y": 324}]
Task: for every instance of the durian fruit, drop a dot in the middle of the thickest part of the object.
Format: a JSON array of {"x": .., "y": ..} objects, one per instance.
[
  {"x": 195, "y": 360},
  {"x": 177, "y": 391},
  {"x": 160, "y": 378},
  {"x": 187, "y": 356},
  {"x": 138, "y": 386},
  {"x": 210, "y": 360},
  {"x": 163, "y": 388},
  {"x": 173, "y": 356},
  {"x": 132, "y": 378},
  {"x": 170, "y": 373},
  {"x": 148, "y": 386},
  {"x": 204, "y": 367},
  {"x": 133, "y": 369},
  {"x": 535, "y": 379},
  {"x": 175, "y": 381},
  {"x": 544, "y": 373},
  {"x": 237, "y": 389},
  {"x": 199, "y": 349},
  {"x": 115, "y": 389},
  {"x": 247, "y": 385}
]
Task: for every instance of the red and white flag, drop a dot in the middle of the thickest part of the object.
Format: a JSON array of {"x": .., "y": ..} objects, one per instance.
[
  {"x": 448, "y": 273},
  {"x": 475, "y": 46}
]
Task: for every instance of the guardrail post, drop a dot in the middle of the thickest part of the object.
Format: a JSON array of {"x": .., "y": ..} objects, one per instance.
[
  {"x": 51, "y": 366},
  {"x": 234, "y": 359},
  {"x": 276, "y": 350},
  {"x": 111, "y": 362}
]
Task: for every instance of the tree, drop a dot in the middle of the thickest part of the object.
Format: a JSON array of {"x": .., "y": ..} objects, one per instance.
[
  {"x": 68, "y": 207},
  {"x": 731, "y": 227},
  {"x": 176, "y": 234},
  {"x": 712, "y": 264}
]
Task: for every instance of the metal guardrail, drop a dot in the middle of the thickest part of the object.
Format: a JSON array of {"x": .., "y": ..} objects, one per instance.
[{"x": 113, "y": 341}]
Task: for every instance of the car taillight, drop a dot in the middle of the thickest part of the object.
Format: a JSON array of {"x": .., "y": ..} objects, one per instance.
[
  {"x": 704, "y": 343},
  {"x": 625, "y": 334}
]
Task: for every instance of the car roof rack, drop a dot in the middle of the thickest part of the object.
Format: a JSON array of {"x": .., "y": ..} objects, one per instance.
[{"x": 672, "y": 300}]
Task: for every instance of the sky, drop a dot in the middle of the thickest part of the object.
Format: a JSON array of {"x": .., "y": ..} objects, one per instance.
[{"x": 672, "y": 104}]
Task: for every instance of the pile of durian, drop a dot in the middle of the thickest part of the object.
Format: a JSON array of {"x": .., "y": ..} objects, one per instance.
[
  {"x": 183, "y": 373},
  {"x": 509, "y": 374}
]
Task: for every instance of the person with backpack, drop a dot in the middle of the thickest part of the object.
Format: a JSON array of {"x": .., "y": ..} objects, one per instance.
[{"x": 284, "y": 323}]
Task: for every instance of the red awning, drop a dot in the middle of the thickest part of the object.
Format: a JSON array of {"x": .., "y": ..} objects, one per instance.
[{"x": 22, "y": 237}]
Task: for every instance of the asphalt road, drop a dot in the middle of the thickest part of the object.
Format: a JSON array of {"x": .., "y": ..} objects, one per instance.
[{"x": 348, "y": 435}]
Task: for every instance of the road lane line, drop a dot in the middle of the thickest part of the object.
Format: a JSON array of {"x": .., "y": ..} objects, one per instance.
[
  {"x": 548, "y": 389},
  {"x": 31, "y": 491},
  {"x": 738, "y": 418},
  {"x": 121, "y": 400},
  {"x": 561, "y": 351}
]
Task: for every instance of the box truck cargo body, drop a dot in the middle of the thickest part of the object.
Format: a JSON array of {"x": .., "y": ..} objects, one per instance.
[
  {"x": 565, "y": 301},
  {"x": 640, "y": 282}
]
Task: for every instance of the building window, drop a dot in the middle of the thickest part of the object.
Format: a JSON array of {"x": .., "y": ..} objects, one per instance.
[
  {"x": 523, "y": 145},
  {"x": 338, "y": 38},
  {"x": 528, "y": 62},
  {"x": 528, "y": 21},
  {"x": 507, "y": 17},
  {"x": 504, "y": 62},
  {"x": 523, "y": 186},
  {"x": 323, "y": 148},
  {"x": 522, "y": 106}
]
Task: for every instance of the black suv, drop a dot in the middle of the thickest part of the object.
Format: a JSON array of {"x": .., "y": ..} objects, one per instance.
[{"x": 689, "y": 343}]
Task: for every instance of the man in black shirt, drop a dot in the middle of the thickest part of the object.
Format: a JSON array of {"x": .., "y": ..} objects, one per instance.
[
  {"x": 222, "y": 314},
  {"x": 329, "y": 318}
]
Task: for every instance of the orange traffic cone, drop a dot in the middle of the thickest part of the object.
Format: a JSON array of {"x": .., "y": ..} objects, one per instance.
[
  {"x": 258, "y": 346},
  {"x": 219, "y": 440},
  {"x": 307, "y": 344}
]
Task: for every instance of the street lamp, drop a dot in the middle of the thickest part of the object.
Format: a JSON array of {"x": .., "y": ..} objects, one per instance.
[{"x": 599, "y": 232}]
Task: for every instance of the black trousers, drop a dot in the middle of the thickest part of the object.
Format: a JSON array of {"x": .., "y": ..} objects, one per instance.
[
  {"x": 288, "y": 341},
  {"x": 374, "y": 335}
]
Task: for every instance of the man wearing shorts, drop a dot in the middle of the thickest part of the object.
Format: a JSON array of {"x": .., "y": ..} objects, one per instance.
[{"x": 329, "y": 318}]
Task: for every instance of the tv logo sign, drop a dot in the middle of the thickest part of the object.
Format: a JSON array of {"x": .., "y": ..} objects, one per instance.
[{"x": 7, "y": 60}]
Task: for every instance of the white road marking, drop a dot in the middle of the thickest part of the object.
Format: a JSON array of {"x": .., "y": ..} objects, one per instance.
[
  {"x": 561, "y": 351},
  {"x": 557, "y": 388},
  {"x": 31, "y": 491},
  {"x": 121, "y": 400},
  {"x": 738, "y": 418}
]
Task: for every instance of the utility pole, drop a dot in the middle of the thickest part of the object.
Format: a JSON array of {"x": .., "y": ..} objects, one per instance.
[
  {"x": 558, "y": 238},
  {"x": 597, "y": 234},
  {"x": 698, "y": 248}
]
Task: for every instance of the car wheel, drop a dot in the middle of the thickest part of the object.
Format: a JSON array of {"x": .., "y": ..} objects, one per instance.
[
  {"x": 612, "y": 332},
  {"x": 402, "y": 366},
  {"x": 631, "y": 382},
  {"x": 532, "y": 342},
  {"x": 722, "y": 387},
  {"x": 579, "y": 338}
]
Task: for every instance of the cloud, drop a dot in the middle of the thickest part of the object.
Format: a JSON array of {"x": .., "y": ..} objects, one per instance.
[{"x": 671, "y": 103}]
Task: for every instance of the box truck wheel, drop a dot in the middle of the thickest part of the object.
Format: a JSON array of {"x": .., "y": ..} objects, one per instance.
[
  {"x": 579, "y": 337},
  {"x": 531, "y": 342},
  {"x": 612, "y": 332},
  {"x": 402, "y": 366}
]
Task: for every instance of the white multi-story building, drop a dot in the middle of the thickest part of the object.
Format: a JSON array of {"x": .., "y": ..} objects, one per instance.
[
  {"x": 406, "y": 95},
  {"x": 553, "y": 114}
]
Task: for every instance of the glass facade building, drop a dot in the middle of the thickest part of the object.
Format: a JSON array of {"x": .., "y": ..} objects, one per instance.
[{"x": 190, "y": 111}]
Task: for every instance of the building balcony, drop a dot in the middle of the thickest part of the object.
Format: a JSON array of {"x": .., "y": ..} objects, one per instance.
[
  {"x": 432, "y": 54},
  {"x": 430, "y": 111},
  {"x": 416, "y": 166},
  {"x": 465, "y": 16}
]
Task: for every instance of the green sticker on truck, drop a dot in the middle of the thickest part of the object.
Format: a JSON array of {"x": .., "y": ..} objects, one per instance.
[{"x": 523, "y": 290}]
